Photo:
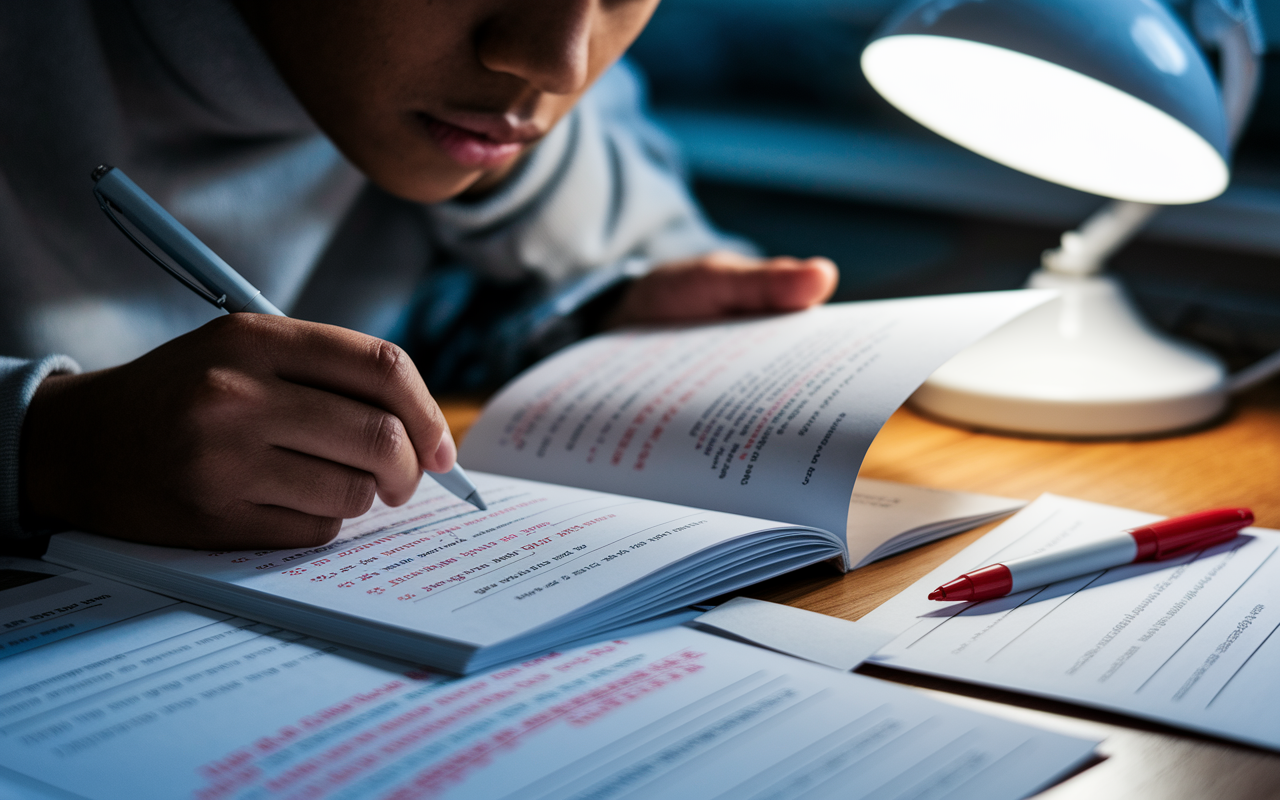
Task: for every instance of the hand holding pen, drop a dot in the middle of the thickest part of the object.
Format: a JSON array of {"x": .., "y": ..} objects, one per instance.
[{"x": 253, "y": 431}]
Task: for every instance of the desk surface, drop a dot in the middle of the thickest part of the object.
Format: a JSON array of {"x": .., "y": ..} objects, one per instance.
[{"x": 1236, "y": 462}]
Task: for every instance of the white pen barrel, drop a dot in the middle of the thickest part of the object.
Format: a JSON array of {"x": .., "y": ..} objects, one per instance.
[
  {"x": 455, "y": 481},
  {"x": 260, "y": 305},
  {"x": 213, "y": 276},
  {"x": 174, "y": 239},
  {"x": 1072, "y": 562}
]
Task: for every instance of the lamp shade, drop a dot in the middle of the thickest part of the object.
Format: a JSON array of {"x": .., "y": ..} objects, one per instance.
[{"x": 1107, "y": 96}]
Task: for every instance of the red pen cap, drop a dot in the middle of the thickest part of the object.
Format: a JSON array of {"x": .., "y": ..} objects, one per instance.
[{"x": 1181, "y": 535}]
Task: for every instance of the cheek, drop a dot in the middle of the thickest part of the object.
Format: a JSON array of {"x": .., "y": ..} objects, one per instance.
[{"x": 365, "y": 99}]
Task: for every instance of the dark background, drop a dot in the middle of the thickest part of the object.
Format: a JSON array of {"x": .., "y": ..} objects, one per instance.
[{"x": 789, "y": 145}]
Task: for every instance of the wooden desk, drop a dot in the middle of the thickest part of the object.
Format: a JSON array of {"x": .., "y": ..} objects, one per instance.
[{"x": 1236, "y": 462}]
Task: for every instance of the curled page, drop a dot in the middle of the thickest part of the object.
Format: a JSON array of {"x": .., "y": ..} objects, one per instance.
[{"x": 768, "y": 417}]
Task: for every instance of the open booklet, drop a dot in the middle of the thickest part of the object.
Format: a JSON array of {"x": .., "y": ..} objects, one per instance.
[
  {"x": 110, "y": 692},
  {"x": 619, "y": 476}
]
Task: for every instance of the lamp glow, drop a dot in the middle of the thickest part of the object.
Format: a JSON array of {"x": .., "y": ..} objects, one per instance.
[
  {"x": 1045, "y": 119},
  {"x": 1112, "y": 97}
]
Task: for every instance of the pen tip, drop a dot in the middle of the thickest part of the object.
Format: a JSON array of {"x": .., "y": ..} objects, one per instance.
[
  {"x": 474, "y": 499},
  {"x": 938, "y": 594}
]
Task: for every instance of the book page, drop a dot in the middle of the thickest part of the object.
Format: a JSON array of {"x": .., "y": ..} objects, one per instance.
[
  {"x": 185, "y": 702},
  {"x": 1189, "y": 642},
  {"x": 886, "y": 517},
  {"x": 768, "y": 416},
  {"x": 541, "y": 554}
]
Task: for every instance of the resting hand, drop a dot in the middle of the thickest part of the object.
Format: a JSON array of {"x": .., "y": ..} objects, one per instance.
[
  {"x": 249, "y": 432},
  {"x": 724, "y": 284}
]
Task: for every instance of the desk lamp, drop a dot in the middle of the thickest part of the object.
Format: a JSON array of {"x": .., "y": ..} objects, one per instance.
[{"x": 1106, "y": 96}]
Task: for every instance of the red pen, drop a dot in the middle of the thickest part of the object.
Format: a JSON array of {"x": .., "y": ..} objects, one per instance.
[{"x": 1169, "y": 538}]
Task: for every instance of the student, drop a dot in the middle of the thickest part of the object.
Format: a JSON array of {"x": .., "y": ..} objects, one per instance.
[{"x": 331, "y": 152}]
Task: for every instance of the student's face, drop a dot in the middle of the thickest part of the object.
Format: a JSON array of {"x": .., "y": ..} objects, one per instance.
[{"x": 432, "y": 98}]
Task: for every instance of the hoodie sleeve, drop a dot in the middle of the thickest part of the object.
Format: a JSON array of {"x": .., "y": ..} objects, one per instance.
[{"x": 19, "y": 380}]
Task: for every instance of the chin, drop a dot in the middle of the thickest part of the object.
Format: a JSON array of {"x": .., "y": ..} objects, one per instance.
[{"x": 423, "y": 185}]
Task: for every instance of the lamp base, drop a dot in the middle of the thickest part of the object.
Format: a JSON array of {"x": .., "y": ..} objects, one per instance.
[{"x": 1082, "y": 365}]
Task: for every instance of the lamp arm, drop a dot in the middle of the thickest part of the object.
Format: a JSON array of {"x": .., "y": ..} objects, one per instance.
[
  {"x": 1231, "y": 25},
  {"x": 1085, "y": 250}
]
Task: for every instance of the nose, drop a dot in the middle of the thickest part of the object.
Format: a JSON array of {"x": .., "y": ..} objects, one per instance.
[{"x": 544, "y": 42}]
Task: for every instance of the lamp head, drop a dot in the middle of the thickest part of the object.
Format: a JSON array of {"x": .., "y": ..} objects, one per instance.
[{"x": 1107, "y": 96}]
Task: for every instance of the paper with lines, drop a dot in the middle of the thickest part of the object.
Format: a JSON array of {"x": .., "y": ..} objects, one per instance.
[
  {"x": 1189, "y": 642},
  {"x": 168, "y": 700}
]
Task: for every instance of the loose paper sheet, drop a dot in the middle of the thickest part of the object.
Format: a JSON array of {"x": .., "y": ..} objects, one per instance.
[
  {"x": 178, "y": 701},
  {"x": 1189, "y": 642},
  {"x": 825, "y": 640}
]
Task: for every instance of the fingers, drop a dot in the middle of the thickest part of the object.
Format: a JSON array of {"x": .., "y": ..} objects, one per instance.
[
  {"x": 363, "y": 439},
  {"x": 778, "y": 284},
  {"x": 265, "y": 527},
  {"x": 251, "y": 431},
  {"x": 357, "y": 366},
  {"x": 725, "y": 284},
  {"x": 811, "y": 284},
  {"x": 310, "y": 485}
]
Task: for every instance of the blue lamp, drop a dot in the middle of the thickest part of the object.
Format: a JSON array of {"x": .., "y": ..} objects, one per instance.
[{"x": 1112, "y": 97}]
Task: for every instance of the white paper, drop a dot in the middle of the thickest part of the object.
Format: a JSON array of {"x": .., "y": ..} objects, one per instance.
[
  {"x": 569, "y": 561},
  {"x": 185, "y": 702},
  {"x": 1188, "y": 642},
  {"x": 819, "y": 638},
  {"x": 769, "y": 417},
  {"x": 50, "y": 604},
  {"x": 887, "y": 517}
]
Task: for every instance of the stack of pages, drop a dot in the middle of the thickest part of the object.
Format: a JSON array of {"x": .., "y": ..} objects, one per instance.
[{"x": 631, "y": 475}]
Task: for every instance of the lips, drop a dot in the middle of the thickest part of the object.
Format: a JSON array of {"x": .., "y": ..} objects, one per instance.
[{"x": 480, "y": 140}]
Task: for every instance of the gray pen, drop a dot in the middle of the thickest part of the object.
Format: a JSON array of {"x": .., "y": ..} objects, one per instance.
[{"x": 214, "y": 280}]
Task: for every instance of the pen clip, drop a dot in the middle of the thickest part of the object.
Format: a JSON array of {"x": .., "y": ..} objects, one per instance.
[{"x": 218, "y": 301}]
